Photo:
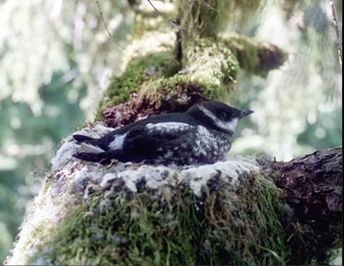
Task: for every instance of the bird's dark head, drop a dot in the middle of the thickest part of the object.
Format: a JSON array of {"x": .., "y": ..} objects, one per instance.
[{"x": 217, "y": 115}]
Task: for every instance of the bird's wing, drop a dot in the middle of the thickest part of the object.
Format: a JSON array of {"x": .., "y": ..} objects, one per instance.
[
  {"x": 159, "y": 132},
  {"x": 147, "y": 142}
]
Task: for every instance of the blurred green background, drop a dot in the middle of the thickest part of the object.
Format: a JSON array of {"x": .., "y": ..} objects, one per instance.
[{"x": 57, "y": 58}]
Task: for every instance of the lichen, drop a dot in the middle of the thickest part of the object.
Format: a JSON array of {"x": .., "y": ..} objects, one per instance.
[
  {"x": 202, "y": 19},
  {"x": 211, "y": 64}
]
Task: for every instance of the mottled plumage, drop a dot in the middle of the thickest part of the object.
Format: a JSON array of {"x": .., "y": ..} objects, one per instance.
[{"x": 199, "y": 136}]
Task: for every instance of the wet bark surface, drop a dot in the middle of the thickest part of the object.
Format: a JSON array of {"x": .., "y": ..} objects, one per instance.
[{"x": 312, "y": 187}]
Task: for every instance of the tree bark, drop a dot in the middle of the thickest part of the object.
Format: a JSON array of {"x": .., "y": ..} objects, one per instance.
[{"x": 312, "y": 187}]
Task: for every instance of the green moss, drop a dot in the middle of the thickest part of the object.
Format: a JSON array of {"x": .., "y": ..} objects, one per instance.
[
  {"x": 212, "y": 64},
  {"x": 141, "y": 69},
  {"x": 274, "y": 247},
  {"x": 164, "y": 89},
  {"x": 148, "y": 228},
  {"x": 208, "y": 65},
  {"x": 250, "y": 54},
  {"x": 246, "y": 51}
]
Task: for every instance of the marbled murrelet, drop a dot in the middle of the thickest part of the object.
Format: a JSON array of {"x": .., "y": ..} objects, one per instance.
[{"x": 201, "y": 135}]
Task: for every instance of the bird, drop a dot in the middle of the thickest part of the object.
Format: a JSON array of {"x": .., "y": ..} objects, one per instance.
[{"x": 201, "y": 135}]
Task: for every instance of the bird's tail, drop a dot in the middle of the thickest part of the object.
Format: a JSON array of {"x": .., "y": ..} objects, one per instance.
[
  {"x": 93, "y": 157},
  {"x": 83, "y": 138},
  {"x": 89, "y": 150}
]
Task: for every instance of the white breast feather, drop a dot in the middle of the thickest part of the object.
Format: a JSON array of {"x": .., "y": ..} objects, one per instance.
[{"x": 232, "y": 124}]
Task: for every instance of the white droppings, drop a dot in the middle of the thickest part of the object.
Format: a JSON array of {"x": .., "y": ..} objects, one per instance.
[
  {"x": 152, "y": 175},
  {"x": 231, "y": 170},
  {"x": 64, "y": 155},
  {"x": 86, "y": 175},
  {"x": 106, "y": 180},
  {"x": 117, "y": 143}
]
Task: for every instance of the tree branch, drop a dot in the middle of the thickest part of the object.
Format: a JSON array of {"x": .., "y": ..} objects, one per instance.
[
  {"x": 312, "y": 187},
  {"x": 335, "y": 23},
  {"x": 124, "y": 213},
  {"x": 255, "y": 57}
]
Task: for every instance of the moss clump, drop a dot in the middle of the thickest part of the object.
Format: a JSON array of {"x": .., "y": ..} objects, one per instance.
[
  {"x": 274, "y": 247},
  {"x": 173, "y": 227},
  {"x": 211, "y": 64},
  {"x": 253, "y": 56},
  {"x": 167, "y": 89},
  {"x": 155, "y": 97},
  {"x": 151, "y": 66},
  {"x": 246, "y": 51},
  {"x": 207, "y": 64},
  {"x": 210, "y": 71},
  {"x": 165, "y": 95}
]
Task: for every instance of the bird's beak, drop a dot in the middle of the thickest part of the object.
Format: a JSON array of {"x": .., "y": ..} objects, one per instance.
[{"x": 246, "y": 113}]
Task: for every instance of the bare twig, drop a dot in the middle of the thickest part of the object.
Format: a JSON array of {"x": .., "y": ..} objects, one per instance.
[
  {"x": 209, "y": 6},
  {"x": 173, "y": 23},
  {"x": 105, "y": 25},
  {"x": 335, "y": 23}
]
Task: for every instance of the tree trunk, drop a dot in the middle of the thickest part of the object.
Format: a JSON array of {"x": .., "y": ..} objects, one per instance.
[{"x": 241, "y": 211}]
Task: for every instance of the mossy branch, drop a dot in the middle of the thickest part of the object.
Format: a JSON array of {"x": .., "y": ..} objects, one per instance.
[
  {"x": 313, "y": 188},
  {"x": 156, "y": 83},
  {"x": 169, "y": 72},
  {"x": 255, "y": 57},
  {"x": 229, "y": 213}
]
